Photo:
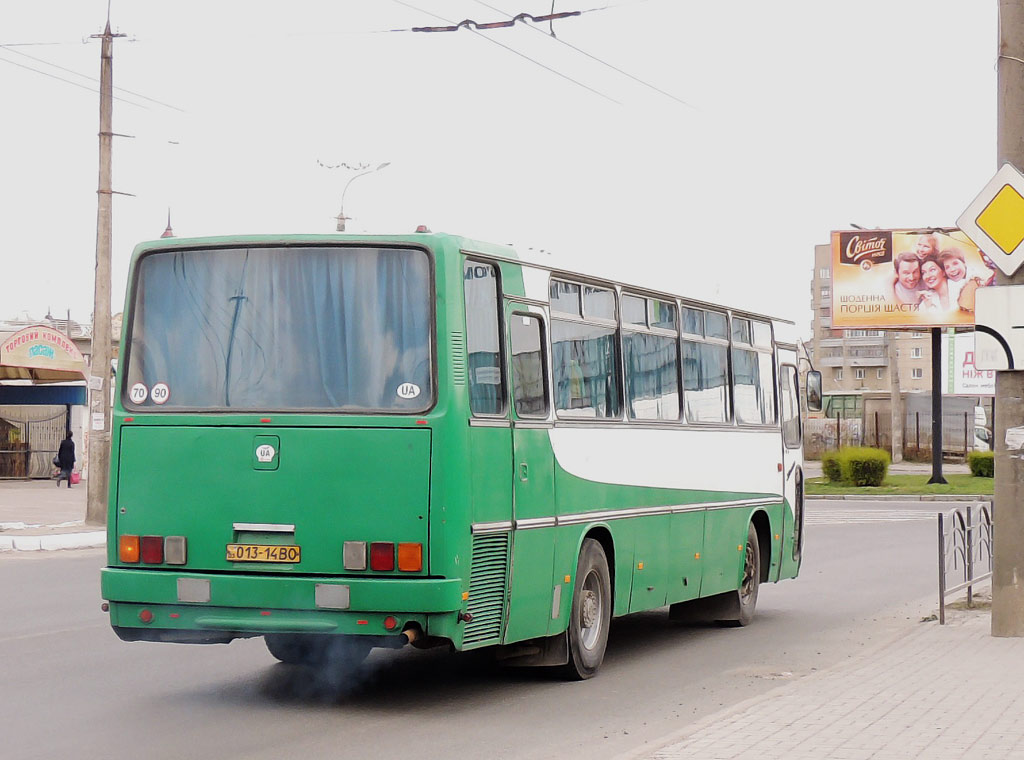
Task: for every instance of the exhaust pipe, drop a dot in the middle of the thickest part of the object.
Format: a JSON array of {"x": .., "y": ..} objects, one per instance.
[{"x": 408, "y": 636}]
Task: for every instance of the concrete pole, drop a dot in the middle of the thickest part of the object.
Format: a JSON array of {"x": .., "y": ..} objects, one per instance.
[
  {"x": 1008, "y": 554},
  {"x": 895, "y": 399},
  {"x": 99, "y": 401}
]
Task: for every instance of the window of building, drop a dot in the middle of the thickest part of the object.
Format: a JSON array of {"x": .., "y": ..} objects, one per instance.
[
  {"x": 839, "y": 373},
  {"x": 826, "y": 312},
  {"x": 824, "y": 273},
  {"x": 826, "y": 292},
  {"x": 858, "y": 374},
  {"x": 916, "y": 353},
  {"x": 917, "y": 334},
  {"x": 917, "y": 373},
  {"x": 879, "y": 373}
]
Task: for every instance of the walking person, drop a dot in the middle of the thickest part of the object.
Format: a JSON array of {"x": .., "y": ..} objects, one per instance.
[{"x": 66, "y": 458}]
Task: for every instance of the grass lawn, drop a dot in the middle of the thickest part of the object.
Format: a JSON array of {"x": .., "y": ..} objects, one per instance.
[{"x": 905, "y": 484}]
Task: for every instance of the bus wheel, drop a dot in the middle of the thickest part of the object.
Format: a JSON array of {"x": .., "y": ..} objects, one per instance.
[
  {"x": 746, "y": 595},
  {"x": 591, "y": 614}
]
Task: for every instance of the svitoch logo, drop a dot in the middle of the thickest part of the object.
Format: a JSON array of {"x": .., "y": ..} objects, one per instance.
[{"x": 864, "y": 248}]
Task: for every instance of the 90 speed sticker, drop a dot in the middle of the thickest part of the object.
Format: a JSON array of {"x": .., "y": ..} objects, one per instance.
[{"x": 160, "y": 393}]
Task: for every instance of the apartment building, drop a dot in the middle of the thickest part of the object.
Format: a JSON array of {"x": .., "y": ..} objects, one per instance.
[{"x": 855, "y": 364}]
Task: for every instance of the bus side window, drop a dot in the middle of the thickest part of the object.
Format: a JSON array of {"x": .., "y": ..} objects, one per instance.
[
  {"x": 529, "y": 389},
  {"x": 483, "y": 339}
]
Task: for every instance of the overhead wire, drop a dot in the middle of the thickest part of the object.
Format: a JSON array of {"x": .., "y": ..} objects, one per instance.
[
  {"x": 593, "y": 57},
  {"x": 92, "y": 79},
  {"x": 513, "y": 50},
  {"x": 68, "y": 81}
]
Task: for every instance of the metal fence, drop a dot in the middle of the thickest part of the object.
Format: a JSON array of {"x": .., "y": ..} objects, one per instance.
[
  {"x": 965, "y": 551},
  {"x": 828, "y": 434},
  {"x": 28, "y": 446},
  {"x": 875, "y": 429}
]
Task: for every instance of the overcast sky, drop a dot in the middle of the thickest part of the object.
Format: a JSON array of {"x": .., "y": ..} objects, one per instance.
[{"x": 800, "y": 116}]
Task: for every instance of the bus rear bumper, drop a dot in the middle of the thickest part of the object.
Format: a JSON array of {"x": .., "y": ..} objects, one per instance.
[{"x": 213, "y": 608}]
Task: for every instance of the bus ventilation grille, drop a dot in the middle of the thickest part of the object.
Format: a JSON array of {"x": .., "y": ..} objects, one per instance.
[
  {"x": 487, "y": 588},
  {"x": 458, "y": 358}
]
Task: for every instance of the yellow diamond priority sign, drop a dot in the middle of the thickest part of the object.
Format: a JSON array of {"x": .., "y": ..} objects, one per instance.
[{"x": 995, "y": 219}]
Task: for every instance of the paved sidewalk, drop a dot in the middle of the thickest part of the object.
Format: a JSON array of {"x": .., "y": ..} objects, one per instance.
[
  {"x": 937, "y": 692},
  {"x": 34, "y": 515}
]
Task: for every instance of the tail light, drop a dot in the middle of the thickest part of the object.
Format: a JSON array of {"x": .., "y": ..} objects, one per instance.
[
  {"x": 382, "y": 556},
  {"x": 175, "y": 550},
  {"x": 153, "y": 550},
  {"x": 128, "y": 549},
  {"x": 410, "y": 557}
]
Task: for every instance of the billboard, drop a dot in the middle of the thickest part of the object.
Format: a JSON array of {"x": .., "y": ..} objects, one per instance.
[
  {"x": 906, "y": 278},
  {"x": 961, "y": 377}
]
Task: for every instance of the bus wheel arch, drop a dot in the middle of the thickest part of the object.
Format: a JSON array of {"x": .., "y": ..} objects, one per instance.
[
  {"x": 763, "y": 526},
  {"x": 603, "y": 536}
]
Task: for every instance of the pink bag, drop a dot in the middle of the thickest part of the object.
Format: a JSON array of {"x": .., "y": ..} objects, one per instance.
[{"x": 76, "y": 478}]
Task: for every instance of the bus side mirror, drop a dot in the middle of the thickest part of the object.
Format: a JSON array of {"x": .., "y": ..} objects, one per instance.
[{"x": 814, "y": 391}]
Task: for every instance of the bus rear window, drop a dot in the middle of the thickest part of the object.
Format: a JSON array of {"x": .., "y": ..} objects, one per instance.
[{"x": 329, "y": 328}]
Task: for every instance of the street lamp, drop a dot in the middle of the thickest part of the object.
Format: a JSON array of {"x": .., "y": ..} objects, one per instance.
[{"x": 341, "y": 214}]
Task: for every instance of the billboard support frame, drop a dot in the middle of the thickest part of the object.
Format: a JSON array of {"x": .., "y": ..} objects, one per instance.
[{"x": 937, "y": 407}]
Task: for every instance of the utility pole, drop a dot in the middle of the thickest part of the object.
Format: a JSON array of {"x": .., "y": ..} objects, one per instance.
[
  {"x": 895, "y": 399},
  {"x": 99, "y": 381},
  {"x": 1008, "y": 554}
]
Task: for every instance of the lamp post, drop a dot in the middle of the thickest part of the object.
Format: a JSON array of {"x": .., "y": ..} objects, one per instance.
[{"x": 341, "y": 214}]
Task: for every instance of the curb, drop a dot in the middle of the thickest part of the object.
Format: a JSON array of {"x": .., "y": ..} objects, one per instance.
[
  {"x": 897, "y": 497},
  {"x": 89, "y": 540}
]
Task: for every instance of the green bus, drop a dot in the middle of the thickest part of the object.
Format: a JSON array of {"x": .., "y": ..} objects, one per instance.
[{"x": 341, "y": 442}]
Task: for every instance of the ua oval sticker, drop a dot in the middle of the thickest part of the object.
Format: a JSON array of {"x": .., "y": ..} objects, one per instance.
[
  {"x": 265, "y": 453},
  {"x": 408, "y": 390}
]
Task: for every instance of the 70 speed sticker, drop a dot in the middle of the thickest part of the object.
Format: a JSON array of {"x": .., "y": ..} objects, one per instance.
[{"x": 139, "y": 393}]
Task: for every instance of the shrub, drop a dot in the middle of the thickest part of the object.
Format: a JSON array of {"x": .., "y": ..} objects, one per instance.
[
  {"x": 863, "y": 466},
  {"x": 830, "y": 466},
  {"x": 982, "y": 464}
]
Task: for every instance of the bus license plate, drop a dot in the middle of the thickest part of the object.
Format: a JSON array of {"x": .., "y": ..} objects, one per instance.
[{"x": 263, "y": 553}]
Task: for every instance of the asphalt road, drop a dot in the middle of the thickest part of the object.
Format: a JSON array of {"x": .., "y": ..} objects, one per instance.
[{"x": 71, "y": 689}]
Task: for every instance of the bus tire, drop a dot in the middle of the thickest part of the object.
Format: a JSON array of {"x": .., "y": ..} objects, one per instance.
[
  {"x": 591, "y": 613},
  {"x": 746, "y": 594}
]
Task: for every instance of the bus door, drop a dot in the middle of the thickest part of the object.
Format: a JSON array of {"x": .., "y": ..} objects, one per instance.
[
  {"x": 488, "y": 452},
  {"x": 792, "y": 467},
  {"x": 535, "y": 600}
]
